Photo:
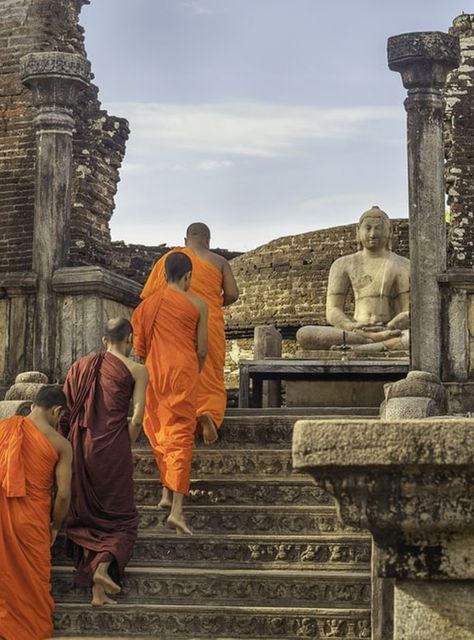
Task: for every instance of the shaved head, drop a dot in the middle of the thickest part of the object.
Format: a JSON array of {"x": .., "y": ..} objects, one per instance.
[
  {"x": 177, "y": 265},
  {"x": 198, "y": 231},
  {"x": 117, "y": 329}
]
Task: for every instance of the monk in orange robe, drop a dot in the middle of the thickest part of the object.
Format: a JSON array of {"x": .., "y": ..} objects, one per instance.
[
  {"x": 32, "y": 454},
  {"x": 170, "y": 334},
  {"x": 213, "y": 282}
]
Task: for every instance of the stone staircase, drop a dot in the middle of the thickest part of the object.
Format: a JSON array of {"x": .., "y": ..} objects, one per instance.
[{"x": 268, "y": 558}]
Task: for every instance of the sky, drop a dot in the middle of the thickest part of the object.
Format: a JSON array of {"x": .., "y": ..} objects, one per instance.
[{"x": 261, "y": 118}]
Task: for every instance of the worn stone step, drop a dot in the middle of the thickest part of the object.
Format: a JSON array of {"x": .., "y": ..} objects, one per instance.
[
  {"x": 242, "y": 519},
  {"x": 212, "y": 463},
  {"x": 251, "y": 491},
  {"x": 166, "y": 622},
  {"x": 327, "y": 552},
  {"x": 242, "y": 430},
  {"x": 229, "y": 587}
]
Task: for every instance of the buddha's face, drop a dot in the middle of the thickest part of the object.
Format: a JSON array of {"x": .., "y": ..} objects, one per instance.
[{"x": 374, "y": 233}]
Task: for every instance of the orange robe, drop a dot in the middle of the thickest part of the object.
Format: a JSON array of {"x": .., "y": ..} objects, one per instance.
[
  {"x": 27, "y": 462},
  {"x": 206, "y": 283},
  {"x": 164, "y": 327}
]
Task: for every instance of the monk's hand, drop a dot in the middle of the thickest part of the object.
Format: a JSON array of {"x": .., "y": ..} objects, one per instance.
[{"x": 54, "y": 535}]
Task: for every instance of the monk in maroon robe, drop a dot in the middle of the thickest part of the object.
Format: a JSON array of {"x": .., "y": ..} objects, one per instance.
[{"x": 101, "y": 527}]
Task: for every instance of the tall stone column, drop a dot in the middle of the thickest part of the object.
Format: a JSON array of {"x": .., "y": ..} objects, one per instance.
[
  {"x": 55, "y": 79},
  {"x": 423, "y": 60}
]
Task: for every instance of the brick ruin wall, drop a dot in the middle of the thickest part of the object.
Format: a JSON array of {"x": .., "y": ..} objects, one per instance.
[
  {"x": 459, "y": 143},
  {"x": 99, "y": 142},
  {"x": 135, "y": 261}
]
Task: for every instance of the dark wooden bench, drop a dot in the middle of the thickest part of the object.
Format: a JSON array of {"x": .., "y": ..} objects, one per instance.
[{"x": 291, "y": 369}]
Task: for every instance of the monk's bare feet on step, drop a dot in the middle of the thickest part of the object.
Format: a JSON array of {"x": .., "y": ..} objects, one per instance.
[
  {"x": 102, "y": 579},
  {"x": 166, "y": 499},
  {"x": 209, "y": 431},
  {"x": 179, "y": 523},
  {"x": 99, "y": 597}
]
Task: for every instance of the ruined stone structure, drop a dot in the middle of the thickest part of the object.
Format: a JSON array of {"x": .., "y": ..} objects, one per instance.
[
  {"x": 318, "y": 583},
  {"x": 99, "y": 142},
  {"x": 459, "y": 130},
  {"x": 59, "y": 160}
]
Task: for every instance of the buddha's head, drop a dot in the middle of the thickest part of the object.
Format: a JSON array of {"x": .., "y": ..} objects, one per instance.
[{"x": 374, "y": 230}]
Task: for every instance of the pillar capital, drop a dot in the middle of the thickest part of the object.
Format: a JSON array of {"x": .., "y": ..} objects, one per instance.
[
  {"x": 55, "y": 80},
  {"x": 423, "y": 58}
]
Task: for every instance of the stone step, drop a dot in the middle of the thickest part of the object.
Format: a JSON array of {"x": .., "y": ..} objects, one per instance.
[
  {"x": 242, "y": 430},
  {"x": 211, "y": 463},
  {"x": 166, "y": 622},
  {"x": 246, "y": 519},
  {"x": 327, "y": 552},
  {"x": 257, "y": 588},
  {"x": 253, "y": 491}
]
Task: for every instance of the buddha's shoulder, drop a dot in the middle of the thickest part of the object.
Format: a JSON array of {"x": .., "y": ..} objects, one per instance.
[
  {"x": 345, "y": 261},
  {"x": 399, "y": 260}
]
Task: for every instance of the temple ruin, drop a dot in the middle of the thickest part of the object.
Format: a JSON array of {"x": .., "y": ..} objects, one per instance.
[{"x": 270, "y": 557}]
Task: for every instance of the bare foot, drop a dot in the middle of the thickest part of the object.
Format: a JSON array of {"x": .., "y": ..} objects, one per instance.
[
  {"x": 99, "y": 598},
  {"x": 166, "y": 499},
  {"x": 102, "y": 579},
  {"x": 179, "y": 524},
  {"x": 209, "y": 431}
]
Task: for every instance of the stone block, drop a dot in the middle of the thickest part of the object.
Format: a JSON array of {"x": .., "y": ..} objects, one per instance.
[
  {"x": 24, "y": 391},
  {"x": 419, "y": 395},
  {"x": 32, "y": 377},
  {"x": 340, "y": 393},
  {"x": 434, "y": 611}
]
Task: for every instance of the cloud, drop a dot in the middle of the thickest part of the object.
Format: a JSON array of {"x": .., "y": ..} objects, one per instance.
[
  {"x": 249, "y": 129},
  {"x": 197, "y": 8},
  {"x": 214, "y": 165},
  {"x": 335, "y": 201}
]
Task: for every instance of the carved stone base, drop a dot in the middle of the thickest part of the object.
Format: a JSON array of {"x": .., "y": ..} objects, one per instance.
[
  {"x": 244, "y": 587},
  {"x": 205, "y": 622}
]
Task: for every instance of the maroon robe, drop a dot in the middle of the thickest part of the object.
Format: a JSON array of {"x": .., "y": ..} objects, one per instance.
[{"x": 103, "y": 520}]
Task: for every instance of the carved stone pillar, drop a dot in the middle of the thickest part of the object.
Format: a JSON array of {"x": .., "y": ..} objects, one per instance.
[
  {"x": 423, "y": 60},
  {"x": 55, "y": 79}
]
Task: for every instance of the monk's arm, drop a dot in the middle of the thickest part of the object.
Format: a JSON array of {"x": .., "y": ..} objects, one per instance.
[
  {"x": 63, "y": 474},
  {"x": 229, "y": 285},
  {"x": 139, "y": 344},
  {"x": 201, "y": 335},
  {"x": 139, "y": 393}
]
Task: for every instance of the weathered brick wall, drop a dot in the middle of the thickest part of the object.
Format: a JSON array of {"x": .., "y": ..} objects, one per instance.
[
  {"x": 459, "y": 135},
  {"x": 99, "y": 145},
  {"x": 284, "y": 282},
  {"x": 136, "y": 260}
]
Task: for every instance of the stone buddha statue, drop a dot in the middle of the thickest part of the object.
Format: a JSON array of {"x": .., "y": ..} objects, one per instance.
[{"x": 380, "y": 281}]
